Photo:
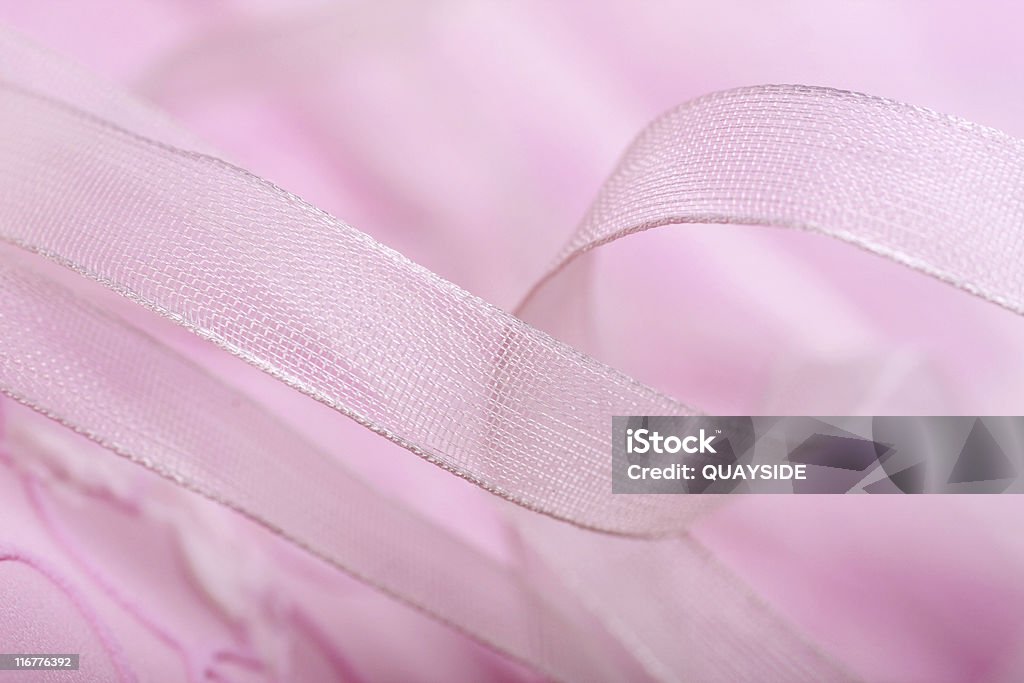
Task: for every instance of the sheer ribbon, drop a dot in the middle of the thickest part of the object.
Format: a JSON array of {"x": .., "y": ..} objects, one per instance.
[
  {"x": 470, "y": 388},
  {"x": 936, "y": 193}
]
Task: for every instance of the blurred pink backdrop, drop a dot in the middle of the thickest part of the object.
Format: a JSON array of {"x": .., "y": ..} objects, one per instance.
[{"x": 471, "y": 137}]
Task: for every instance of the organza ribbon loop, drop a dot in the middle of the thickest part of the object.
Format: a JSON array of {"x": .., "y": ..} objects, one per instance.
[{"x": 939, "y": 194}]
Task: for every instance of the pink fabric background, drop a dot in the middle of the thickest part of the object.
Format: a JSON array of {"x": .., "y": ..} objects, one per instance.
[{"x": 471, "y": 137}]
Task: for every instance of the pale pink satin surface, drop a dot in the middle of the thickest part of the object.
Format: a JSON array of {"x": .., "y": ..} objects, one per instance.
[{"x": 472, "y": 139}]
